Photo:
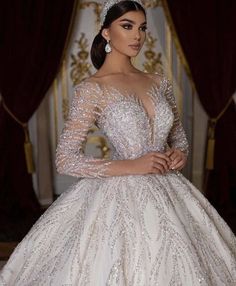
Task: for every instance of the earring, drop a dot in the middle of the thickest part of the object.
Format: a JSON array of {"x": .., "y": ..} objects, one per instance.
[{"x": 108, "y": 47}]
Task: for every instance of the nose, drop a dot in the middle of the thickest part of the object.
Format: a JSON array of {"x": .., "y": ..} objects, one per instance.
[{"x": 138, "y": 35}]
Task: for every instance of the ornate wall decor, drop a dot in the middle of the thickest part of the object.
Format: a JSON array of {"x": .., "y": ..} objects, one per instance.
[
  {"x": 152, "y": 3},
  {"x": 97, "y": 7},
  {"x": 153, "y": 62},
  {"x": 98, "y": 141},
  {"x": 80, "y": 67},
  {"x": 101, "y": 143}
]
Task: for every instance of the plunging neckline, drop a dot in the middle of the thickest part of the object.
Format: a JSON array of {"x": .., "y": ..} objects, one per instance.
[{"x": 128, "y": 94}]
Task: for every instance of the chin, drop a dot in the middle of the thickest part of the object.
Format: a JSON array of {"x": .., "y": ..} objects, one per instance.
[
  {"x": 133, "y": 54},
  {"x": 129, "y": 53}
]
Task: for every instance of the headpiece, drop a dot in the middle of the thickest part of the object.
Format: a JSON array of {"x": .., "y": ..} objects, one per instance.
[{"x": 109, "y": 3}]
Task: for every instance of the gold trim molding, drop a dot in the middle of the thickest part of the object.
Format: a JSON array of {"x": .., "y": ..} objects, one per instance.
[
  {"x": 153, "y": 63},
  {"x": 80, "y": 66},
  {"x": 97, "y": 7}
]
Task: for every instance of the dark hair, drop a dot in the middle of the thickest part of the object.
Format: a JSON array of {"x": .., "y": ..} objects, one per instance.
[{"x": 97, "y": 52}]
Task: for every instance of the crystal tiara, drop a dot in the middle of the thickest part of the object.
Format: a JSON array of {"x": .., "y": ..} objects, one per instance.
[{"x": 109, "y": 3}]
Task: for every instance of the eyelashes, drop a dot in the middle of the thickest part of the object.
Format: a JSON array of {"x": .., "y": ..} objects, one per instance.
[
  {"x": 129, "y": 27},
  {"x": 143, "y": 28}
]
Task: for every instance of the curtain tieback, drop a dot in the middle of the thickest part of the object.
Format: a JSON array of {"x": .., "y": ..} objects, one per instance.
[
  {"x": 28, "y": 148},
  {"x": 211, "y": 136}
]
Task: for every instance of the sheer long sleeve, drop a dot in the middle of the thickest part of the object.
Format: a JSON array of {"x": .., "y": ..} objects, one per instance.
[
  {"x": 70, "y": 158},
  {"x": 177, "y": 137}
]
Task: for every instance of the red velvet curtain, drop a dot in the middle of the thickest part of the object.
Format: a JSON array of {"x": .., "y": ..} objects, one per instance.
[
  {"x": 32, "y": 40},
  {"x": 208, "y": 37}
]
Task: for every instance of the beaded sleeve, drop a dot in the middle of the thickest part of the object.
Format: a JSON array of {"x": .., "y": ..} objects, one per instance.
[
  {"x": 70, "y": 158},
  {"x": 177, "y": 137}
]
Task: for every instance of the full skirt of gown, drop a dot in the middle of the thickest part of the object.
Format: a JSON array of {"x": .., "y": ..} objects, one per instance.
[{"x": 126, "y": 230}]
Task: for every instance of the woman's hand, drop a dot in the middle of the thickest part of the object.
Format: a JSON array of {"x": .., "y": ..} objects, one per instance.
[
  {"x": 178, "y": 159},
  {"x": 151, "y": 163}
]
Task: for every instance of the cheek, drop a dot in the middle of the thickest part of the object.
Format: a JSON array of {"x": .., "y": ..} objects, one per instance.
[
  {"x": 119, "y": 38},
  {"x": 119, "y": 35}
]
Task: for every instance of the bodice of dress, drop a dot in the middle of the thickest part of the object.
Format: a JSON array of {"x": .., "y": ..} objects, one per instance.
[{"x": 124, "y": 119}]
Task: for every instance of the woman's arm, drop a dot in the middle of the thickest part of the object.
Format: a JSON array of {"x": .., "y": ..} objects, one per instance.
[
  {"x": 177, "y": 139},
  {"x": 70, "y": 158}
]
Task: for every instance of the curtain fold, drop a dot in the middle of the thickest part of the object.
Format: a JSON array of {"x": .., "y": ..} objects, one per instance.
[
  {"x": 207, "y": 34},
  {"x": 32, "y": 40},
  {"x": 44, "y": 164}
]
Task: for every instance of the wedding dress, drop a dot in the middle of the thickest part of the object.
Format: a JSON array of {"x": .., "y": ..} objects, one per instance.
[{"x": 134, "y": 230}]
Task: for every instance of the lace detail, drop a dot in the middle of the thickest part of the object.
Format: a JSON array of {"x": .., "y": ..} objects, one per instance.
[{"x": 125, "y": 119}]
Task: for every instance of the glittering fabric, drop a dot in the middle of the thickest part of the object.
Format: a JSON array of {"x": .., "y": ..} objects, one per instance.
[
  {"x": 123, "y": 118},
  {"x": 131, "y": 230}
]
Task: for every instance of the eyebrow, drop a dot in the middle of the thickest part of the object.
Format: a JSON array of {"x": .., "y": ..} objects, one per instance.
[{"x": 131, "y": 21}]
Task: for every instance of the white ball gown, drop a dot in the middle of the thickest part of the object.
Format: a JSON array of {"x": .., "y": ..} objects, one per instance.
[{"x": 134, "y": 230}]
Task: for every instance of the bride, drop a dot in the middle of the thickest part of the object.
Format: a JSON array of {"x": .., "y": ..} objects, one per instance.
[{"x": 133, "y": 219}]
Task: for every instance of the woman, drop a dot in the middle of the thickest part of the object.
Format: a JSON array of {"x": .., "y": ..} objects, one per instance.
[{"x": 132, "y": 219}]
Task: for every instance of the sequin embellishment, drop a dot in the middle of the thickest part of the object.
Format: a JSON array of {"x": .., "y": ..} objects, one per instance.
[{"x": 135, "y": 230}]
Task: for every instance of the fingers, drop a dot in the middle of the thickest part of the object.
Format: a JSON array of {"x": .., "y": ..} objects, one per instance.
[
  {"x": 162, "y": 156},
  {"x": 159, "y": 169},
  {"x": 174, "y": 162},
  {"x": 169, "y": 152},
  {"x": 177, "y": 159},
  {"x": 174, "y": 156},
  {"x": 161, "y": 161},
  {"x": 173, "y": 159},
  {"x": 179, "y": 165}
]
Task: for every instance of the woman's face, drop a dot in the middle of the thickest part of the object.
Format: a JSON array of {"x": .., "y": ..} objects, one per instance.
[{"x": 127, "y": 33}]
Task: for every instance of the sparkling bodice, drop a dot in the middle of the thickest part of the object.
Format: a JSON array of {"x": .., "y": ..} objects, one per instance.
[
  {"x": 124, "y": 119},
  {"x": 130, "y": 129}
]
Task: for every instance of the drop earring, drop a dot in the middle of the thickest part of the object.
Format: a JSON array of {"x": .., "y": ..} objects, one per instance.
[{"x": 108, "y": 47}]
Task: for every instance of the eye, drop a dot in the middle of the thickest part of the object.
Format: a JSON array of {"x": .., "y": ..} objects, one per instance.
[
  {"x": 143, "y": 28},
  {"x": 127, "y": 26}
]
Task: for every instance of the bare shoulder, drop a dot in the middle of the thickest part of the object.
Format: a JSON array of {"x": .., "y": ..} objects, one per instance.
[{"x": 96, "y": 80}]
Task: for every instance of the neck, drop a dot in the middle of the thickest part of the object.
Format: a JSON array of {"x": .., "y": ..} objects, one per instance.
[{"x": 117, "y": 63}]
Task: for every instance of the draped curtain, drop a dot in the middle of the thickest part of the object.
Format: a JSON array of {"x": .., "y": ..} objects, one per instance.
[
  {"x": 207, "y": 34},
  {"x": 32, "y": 40}
]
